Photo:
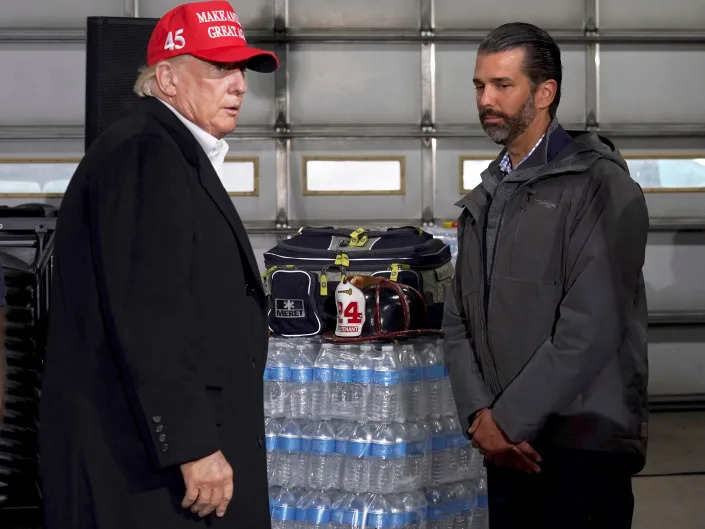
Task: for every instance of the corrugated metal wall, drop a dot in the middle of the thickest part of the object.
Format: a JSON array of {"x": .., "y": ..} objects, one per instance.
[{"x": 394, "y": 77}]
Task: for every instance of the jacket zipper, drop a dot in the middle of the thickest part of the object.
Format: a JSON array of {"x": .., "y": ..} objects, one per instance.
[{"x": 485, "y": 314}]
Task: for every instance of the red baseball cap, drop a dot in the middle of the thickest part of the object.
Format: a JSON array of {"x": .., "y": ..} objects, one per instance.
[{"x": 209, "y": 31}]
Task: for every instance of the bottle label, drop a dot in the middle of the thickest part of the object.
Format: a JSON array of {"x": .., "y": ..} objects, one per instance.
[
  {"x": 456, "y": 441},
  {"x": 354, "y": 518},
  {"x": 383, "y": 451},
  {"x": 445, "y": 370},
  {"x": 336, "y": 516},
  {"x": 341, "y": 447},
  {"x": 482, "y": 501},
  {"x": 398, "y": 519},
  {"x": 363, "y": 376},
  {"x": 276, "y": 374},
  {"x": 271, "y": 442},
  {"x": 412, "y": 518},
  {"x": 323, "y": 446},
  {"x": 323, "y": 374},
  {"x": 386, "y": 378},
  {"x": 378, "y": 520},
  {"x": 434, "y": 513},
  {"x": 433, "y": 372},
  {"x": 301, "y": 375},
  {"x": 301, "y": 514},
  {"x": 401, "y": 449},
  {"x": 317, "y": 516},
  {"x": 305, "y": 444},
  {"x": 439, "y": 443},
  {"x": 416, "y": 448},
  {"x": 412, "y": 374},
  {"x": 343, "y": 376},
  {"x": 284, "y": 513},
  {"x": 358, "y": 448},
  {"x": 289, "y": 444}
]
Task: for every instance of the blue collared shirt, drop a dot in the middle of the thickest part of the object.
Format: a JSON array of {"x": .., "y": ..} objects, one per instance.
[{"x": 506, "y": 164}]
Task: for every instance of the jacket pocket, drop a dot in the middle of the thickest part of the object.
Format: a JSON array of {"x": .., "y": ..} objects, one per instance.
[
  {"x": 521, "y": 318},
  {"x": 537, "y": 238}
]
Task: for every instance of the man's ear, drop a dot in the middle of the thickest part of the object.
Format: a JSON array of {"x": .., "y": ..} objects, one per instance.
[
  {"x": 546, "y": 94},
  {"x": 167, "y": 78}
]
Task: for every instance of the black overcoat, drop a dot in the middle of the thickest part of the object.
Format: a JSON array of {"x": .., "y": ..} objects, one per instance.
[{"x": 157, "y": 339}]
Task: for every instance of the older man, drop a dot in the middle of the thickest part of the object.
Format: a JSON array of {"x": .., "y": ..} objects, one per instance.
[{"x": 152, "y": 409}]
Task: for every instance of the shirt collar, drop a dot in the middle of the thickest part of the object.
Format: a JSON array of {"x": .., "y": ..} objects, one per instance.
[
  {"x": 506, "y": 164},
  {"x": 215, "y": 149}
]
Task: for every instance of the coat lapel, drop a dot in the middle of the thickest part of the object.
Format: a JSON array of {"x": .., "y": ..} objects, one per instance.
[
  {"x": 209, "y": 181},
  {"x": 214, "y": 187}
]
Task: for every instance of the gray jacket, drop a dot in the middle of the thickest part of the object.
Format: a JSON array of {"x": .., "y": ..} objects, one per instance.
[{"x": 550, "y": 329}]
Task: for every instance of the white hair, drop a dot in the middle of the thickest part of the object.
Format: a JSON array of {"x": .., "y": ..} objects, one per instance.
[{"x": 148, "y": 76}]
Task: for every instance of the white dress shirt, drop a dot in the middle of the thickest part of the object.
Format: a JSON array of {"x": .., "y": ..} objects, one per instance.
[{"x": 214, "y": 148}]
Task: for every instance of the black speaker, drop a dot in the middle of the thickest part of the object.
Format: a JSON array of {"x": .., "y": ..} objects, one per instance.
[{"x": 116, "y": 47}]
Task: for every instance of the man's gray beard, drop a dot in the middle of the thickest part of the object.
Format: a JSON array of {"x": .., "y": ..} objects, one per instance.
[{"x": 513, "y": 126}]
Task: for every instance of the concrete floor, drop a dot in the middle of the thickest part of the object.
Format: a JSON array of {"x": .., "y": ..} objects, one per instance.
[{"x": 666, "y": 496}]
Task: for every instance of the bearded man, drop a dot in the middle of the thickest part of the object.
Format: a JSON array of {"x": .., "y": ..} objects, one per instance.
[{"x": 546, "y": 334}]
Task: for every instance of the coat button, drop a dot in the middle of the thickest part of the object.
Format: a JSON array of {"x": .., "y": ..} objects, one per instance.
[
  {"x": 260, "y": 443},
  {"x": 165, "y": 448},
  {"x": 159, "y": 429},
  {"x": 157, "y": 419},
  {"x": 254, "y": 363},
  {"x": 162, "y": 438}
]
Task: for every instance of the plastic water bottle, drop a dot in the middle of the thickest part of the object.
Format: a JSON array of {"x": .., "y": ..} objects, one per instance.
[
  {"x": 343, "y": 397},
  {"x": 386, "y": 386},
  {"x": 477, "y": 463},
  {"x": 415, "y": 453},
  {"x": 356, "y": 473},
  {"x": 463, "y": 517},
  {"x": 435, "y": 512},
  {"x": 289, "y": 452},
  {"x": 323, "y": 382},
  {"x": 427, "y": 436},
  {"x": 482, "y": 515},
  {"x": 301, "y": 376},
  {"x": 283, "y": 510},
  {"x": 379, "y": 513},
  {"x": 415, "y": 509},
  {"x": 433, "y": 372},
  {"x": 305, "y": 501},
  {"x": 397, "y": 518},
  {"x": 318, "y": 511},
  {"x": 382, "y": 460},
  {"x": 411, "y": 383},
  {"x": 273, "y": 492},
  {"x": 438, "y": 452},
  {"x": 322, "y": 457},
  {"x": 402, "y": 478},
  {"x": 455, "y": 445},
  {"x": 272, "y": 427},
  {"x": 462, "y": 447},
  {"x": 311, "y": 346},
  {"x": 337, "y": 509},
  {"x": 276, "y": 379},
  {"x": 355, "y": 517},
  {"x": 343, "y": 433},
  {"x": 363, "y": 374},
  {"x": 451, "y": 506},
  {"x": 447, "y": 399}
]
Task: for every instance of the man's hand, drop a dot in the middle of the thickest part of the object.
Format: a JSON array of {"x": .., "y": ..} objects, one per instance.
[
  {"x": 488, "y": 437},
  {"x": 209, "y": 485}
]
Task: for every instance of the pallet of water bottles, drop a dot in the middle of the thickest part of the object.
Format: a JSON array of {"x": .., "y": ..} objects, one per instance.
[{"x": 369, "y": 425}]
